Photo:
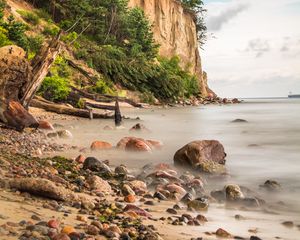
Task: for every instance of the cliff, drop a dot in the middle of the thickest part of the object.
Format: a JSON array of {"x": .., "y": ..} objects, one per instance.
[{"x": 175, "y": 30}]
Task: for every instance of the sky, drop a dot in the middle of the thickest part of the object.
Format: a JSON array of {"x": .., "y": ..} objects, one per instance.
[{"x": 253, "y": 47}]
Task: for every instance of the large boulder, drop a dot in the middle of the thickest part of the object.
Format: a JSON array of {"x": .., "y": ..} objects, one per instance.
[
  {"x": 137, "y": 145},
  {"x": 96, "y": 165},
  {"x": 198, "y": 152},
  {"x": 100, "y": 145}
]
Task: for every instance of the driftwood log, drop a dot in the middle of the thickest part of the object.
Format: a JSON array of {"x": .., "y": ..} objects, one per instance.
[
  {"x": 63, "y": 109},
  {"x": 104, "y": 97}
]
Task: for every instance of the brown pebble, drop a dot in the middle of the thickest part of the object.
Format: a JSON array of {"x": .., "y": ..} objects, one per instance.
[{"x": 223, "y": 233}]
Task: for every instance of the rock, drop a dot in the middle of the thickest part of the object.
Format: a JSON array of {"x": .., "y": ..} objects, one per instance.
[
  {"x": 250, "y": 202},
  {"x": 235, "y": 100},
  {"x": 96, "y": 165},
  {"x": 155, "y": 144},
  {"x": 44, "y": 188},
  {"x": 139, "y": 127},
  {"x": 52, "y": 135},
  {"x": 65, "y": 134},
  {"x": 187, "y": 198},
  {"x": 61, "y": 236},
  {"x": 100, "y": 145},
  {"x": 173, "y": 188},
  {"x": 288, "y": 224},
  {"x": 255, "y": 238},
  {"x": 211, "y": 167},
  {"x": 160, "y": 196},
  {"x": 108, "y": 128},
  {"x": 199, "y": 204},
  {"x": 92, "y": 230},
  {"x": 201, "y": 218},
  {"x": 137, "y": 210},
  {"x": 80, "y": 159},
  {"x": 271, "y": 185},
  {"x": 127, "y": 190},
  {"x": 121, "y": 170},
  {"x": 238, "y": 120},
  {"x": 130, "y": 199},
  {"x": 223, "y": 233},
  {"x": 139, "y": 187},
  {"x": 233, "y": 192},
  {"x": 81, "y": 218},
  {"x": 98, "y": 184},
  {"x": 137, "y": 145},
  {"x": 171, "y": 211},
  {"x": 196, "y": 152},
  {"x": 218, "y": 195},
  {"x": 53, "y": 223},
  {"x": 68, "y": 229},
  {"x": 45, "y": 125}
]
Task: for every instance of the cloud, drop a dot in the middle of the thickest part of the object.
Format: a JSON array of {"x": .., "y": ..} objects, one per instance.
[
  {"x": 216, "y": 22},
  {"x": 258, "y": 46}
]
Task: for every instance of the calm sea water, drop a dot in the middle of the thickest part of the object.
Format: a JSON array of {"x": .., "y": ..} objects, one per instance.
[{"x": 266, "y": 147}]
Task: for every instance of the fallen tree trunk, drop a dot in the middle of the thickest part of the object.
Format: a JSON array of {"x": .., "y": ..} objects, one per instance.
[
  {"x": 100, "y": 106},
  {"x": 106, "y": 97},
  {"x": 40, "y": 68},
  {"x": 62, "y": 109}
]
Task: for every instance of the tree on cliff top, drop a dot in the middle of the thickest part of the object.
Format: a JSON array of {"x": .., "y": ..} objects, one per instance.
[{"x": 197, "y": 7}]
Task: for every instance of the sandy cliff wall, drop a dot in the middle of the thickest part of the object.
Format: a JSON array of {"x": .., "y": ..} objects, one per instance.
[{"x": 174, "y": 29}]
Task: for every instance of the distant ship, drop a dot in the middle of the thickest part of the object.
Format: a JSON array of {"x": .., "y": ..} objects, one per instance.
[{"x": 294, "y": 95}]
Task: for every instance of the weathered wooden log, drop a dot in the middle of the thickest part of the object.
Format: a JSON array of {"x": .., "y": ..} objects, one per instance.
[
  {"x": 105, "y": 97},
  {"x": 63, "y": 109},
  {"x": 118, "y": 116},
  {"x": 40, "y": 68},
  {"x": 80, "y": 69},
  {"x": 99, "y": 106}
]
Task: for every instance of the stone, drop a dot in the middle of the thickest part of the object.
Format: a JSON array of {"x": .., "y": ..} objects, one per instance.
[
  {"x": 171, "y": 211},
  {"x": 271, "y": 185},
  {"x": 43, "y": 124},
  {"x": 80, "y": 159},
  {"x": 199, "y": 204},
  {"x": 223, "y": 233},
  {"x": 100, "y": 145},
  {"x": 121, "y": 170},
  {"x": 255, "y": 238},
  {"x": 98, "y": 184},
  {"x": 288, "y": 224},
  {"x": 137, "y": 145},
  {"x": 68, "y": 230},
  {"x": 92, "y": 230},
  {"x": 139, "y": 127},
  {"x": 52, "y": 135},
  {"x": 127, "y": 190},
  {"x": 201, "y": 218},
  {"x": 130, "y": 199},
  {"x": 139, "y": 187},
  {"x": 233, "y": 192},
  {"x": 196, "y": 152},
  {"x": 187, "y": 198},
  {"x": 137, "y": 210},
  {"x": 219, "y": 195},
  {"x": 160, "y": 196},
  {"x": 65, "y": 134},
  {"x": 61, "y": 236},
  {"x": 174, "y": 188},
  {"x": 96, "y": 165},
  {"x": 44, "y": 188},
  {"x": 154, "y": 144},
  {"x": 239, "y": 120}
]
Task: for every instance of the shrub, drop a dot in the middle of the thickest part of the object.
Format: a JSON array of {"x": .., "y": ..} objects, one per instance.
[
  {"x": 35, "y": 43},
  {"x": 29, "y": 17},
  {"x": 2, "y": 7},
  {"x": 4, "y": 41},
  {"x": 55, "y": 88},
  {"x": 102, "y": 87},
  {"x": 50, "y": 30},
  {"x": 60, "y": 67}
]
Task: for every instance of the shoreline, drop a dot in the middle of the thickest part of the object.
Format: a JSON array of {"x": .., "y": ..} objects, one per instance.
[{"x": 218, "y": 215}]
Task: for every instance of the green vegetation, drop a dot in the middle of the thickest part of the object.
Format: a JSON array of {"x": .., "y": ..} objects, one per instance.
[
  {"x": 111, "y": 38},
  {"x": 29, "y": 17},
  {"x": 56, "y": 87}
]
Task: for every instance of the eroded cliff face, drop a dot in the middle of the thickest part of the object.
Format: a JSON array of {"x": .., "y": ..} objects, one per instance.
[{"x": 175, "y": 30}]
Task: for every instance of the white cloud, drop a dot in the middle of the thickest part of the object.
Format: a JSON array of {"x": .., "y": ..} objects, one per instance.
[{"x": 258, "y": 45}]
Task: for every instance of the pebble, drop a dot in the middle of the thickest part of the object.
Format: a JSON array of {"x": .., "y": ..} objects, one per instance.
[
  {"x": 171, "y": 211},
  {"x": 223, "y": 233}
]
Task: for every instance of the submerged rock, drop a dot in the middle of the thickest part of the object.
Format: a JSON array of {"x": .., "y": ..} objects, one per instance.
[
  {"x": 271, "y": 185},
  {"x": 137, "y": 145},
  {"x": 197, "y": 152},
  {"x": 199, "y": 204},
  {"x": 100, "y": 145},
  {"x": 223, "y": 233},
  {"x": 139, "y": 127},
  {"x": 65, "y": 134},
  {"x": 239, "y": 120},
  {"x": 233, "y": 192},
  {"x": 45, "y": 125}
]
